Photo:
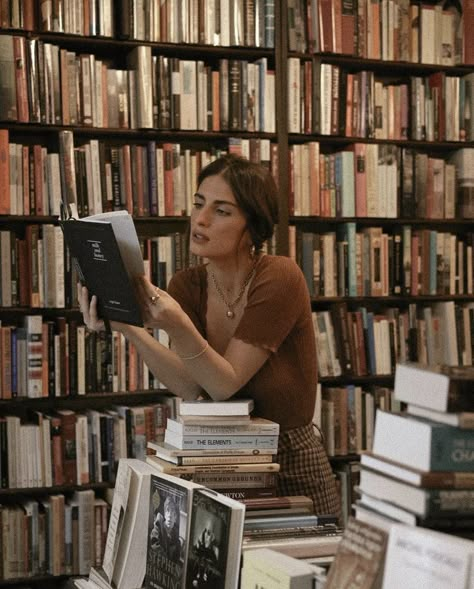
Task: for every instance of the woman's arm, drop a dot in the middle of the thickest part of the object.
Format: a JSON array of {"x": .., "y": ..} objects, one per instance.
[{"x": 191, "y": 366}]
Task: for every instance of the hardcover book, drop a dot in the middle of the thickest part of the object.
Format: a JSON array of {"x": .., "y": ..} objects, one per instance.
[
  {"x": 422, "y": 444},
  {"x": 216, "y": 538},
  {"x": 442, "y": 388},
  {"x": 108, "y": 257}
]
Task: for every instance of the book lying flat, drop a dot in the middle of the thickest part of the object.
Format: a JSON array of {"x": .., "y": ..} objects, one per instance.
[
  {"x": 168, "y": 452},
  {"x": 422, "y": 444},
  {"x": 210, "y": 442},
  {"x": 208, "y": 407},
  {"x": 416, "y": 477},
  {"x": 442, "y": 388},
  {"x": 107, "y": 255}
]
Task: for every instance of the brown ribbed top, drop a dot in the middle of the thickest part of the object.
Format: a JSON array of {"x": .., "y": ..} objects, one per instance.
[{"x": 278, "y": 318}]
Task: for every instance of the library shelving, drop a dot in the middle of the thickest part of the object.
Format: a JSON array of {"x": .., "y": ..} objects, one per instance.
[{"x": 123, "y": 106}]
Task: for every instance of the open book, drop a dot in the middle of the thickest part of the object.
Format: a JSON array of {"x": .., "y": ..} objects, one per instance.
[{"x": 107, "y": 253}]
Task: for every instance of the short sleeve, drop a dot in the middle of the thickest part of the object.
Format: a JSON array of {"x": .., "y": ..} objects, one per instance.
[{"x": 278, "y": 299}]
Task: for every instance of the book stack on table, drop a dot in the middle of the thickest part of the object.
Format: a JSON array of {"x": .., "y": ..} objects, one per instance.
[
  {"x": 221, "y": 446},
  {"x": 421, "y": 468}
]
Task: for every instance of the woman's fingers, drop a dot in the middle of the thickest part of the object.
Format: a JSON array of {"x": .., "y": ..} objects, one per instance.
[{"x": 89, "y": 309}]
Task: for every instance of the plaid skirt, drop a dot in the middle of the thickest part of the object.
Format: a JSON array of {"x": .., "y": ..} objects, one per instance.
[{"x": 305, "y": 469}]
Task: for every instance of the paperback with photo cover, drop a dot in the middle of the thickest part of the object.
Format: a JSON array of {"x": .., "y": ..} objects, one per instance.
[
  {"x": 168, "y": 531},
  {"x": 107, "y": 254},
  {"x": 215, "y": 541}
]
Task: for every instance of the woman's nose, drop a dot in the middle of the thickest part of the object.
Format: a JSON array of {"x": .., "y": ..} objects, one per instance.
[{"x": 202, "y": 216}]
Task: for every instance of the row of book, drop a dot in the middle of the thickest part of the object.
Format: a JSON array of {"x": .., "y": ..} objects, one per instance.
[
  {"x": 372, "y": 262},
  {"x": 217, "y": 22},
  {"x": 151, "y": 179},
  {"x": 66, "y": 447},
  {"x": 57, "y": 86},
  {"x": 209, "y": 23},
  {"x": 331, "y": 100},
  {"x": 399, "y": 30},
  {"x": 59, "y": 357},
  {"x": 369, "y": 180},
  {"x": 346, "y": 416},
  {"x": 37, "y": 271},
  {"x": 363, "y": 342},
  {"x": 86, "y": 19},
  {"x": 55, "y": 534}
]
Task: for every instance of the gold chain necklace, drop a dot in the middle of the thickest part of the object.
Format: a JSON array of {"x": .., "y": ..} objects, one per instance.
[{"x": 230, "y": 306}]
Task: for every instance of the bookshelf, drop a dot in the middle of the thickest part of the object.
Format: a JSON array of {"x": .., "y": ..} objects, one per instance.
[
  {"x": 69, "y": 83},
  {"x": 378, "y": 130},
  {"x": 88, "y": 74}
]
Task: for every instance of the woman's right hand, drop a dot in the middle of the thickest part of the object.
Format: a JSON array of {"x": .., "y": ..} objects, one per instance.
[{"x": 89, "y": 309}]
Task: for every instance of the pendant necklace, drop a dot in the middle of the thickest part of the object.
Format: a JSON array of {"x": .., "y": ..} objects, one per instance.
[{"x": 230, "y": 313}]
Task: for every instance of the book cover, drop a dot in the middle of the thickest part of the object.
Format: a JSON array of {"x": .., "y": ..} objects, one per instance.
[
  {"x": 433, "y": 559},
  {"x": 168, "y": 531},
  {"x": 359, "y": 559},
  {"x": 216, "y": 538},
  {"x": 108, "y": 256}
]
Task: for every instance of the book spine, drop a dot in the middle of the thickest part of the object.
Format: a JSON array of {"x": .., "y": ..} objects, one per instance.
[{"x": 198, "y": 442}]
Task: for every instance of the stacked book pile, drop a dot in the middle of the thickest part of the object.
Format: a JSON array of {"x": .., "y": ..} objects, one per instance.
[
  {"x": 421, "y": 468},
  {"x": 221, "y": 446}
]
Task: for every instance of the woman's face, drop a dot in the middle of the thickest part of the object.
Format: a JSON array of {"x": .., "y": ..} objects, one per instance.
[{"x": 218, "y": 226}]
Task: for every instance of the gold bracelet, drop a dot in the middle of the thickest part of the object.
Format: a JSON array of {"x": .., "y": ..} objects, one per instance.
[{"x": 195, "y": 355}]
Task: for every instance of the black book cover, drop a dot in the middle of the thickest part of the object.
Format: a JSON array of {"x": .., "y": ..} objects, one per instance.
[{"x": 94, "y": 247}]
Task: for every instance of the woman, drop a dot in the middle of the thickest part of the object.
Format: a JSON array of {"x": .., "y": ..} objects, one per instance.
[{"x": 240, "y": 324}]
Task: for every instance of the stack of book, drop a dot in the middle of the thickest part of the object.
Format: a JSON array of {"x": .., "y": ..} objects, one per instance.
[
  {"x": 421, "y": 468},
  {"x": 221, "y": 446},
  {"x": 301, "y": 536}
]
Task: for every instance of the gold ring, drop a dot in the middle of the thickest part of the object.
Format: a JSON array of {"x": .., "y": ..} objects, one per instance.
[{"x": 154, "y": 298}]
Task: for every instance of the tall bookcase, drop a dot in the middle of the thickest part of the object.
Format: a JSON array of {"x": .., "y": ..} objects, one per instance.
[
  {"x": 69, "y": 81},
  {"x": 379, "y": 142}
]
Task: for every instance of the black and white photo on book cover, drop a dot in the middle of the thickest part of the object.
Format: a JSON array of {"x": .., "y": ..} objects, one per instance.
[
  {"x": 168, "y": 526},
  {"x": 215, "y": 541}
]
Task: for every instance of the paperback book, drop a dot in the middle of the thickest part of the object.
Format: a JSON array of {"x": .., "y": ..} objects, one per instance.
[
  {"x": 107, "y": 254},
  {"x": 213, "y": 408},
  {"x": 168, "y": 531},
  {"x": 216, "y": 538}
]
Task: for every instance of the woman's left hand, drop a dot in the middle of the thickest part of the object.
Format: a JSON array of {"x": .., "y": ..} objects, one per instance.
[{"x": 159, "y": 309}]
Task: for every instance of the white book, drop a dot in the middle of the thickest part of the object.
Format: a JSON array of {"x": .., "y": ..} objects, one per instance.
[
  {"x": 207, "y": 407},
  {"x": 433, "y": 559},
  {"x": 125, "y": 550},
  {"x": 254, "y": 426}
]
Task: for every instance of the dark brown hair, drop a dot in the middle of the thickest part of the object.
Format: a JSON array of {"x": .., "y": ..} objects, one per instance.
[{"x": 254, "y": 190}]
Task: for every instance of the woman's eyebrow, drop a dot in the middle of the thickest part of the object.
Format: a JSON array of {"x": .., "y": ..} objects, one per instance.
[{"x": 217, "y": 202}]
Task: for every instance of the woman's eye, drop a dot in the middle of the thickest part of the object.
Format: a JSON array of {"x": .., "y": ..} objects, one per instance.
[
  {"x": 223, "y": 212},
  {"x": 197, "y": 205}
]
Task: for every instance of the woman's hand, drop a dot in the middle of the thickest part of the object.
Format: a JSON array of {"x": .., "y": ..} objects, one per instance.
[
  {"x": 89, "y": 309},
  {"x": 159, "y": 309}
]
